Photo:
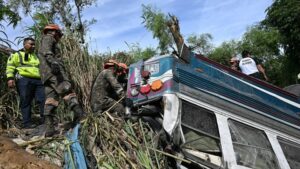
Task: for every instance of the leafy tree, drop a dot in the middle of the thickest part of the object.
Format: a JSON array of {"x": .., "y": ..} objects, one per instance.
[
  {"x": 263, "y": 43},
  {"x": 58, "y": 11},
  {"x": 35, "y": 30},
  {"x": 167, "y": 30},
  {"x": 284, "y": 15},
  {"x": 138, "y": 53},
  {"x": 10, "y": 16},
  {"x": 148, "y": 52},
  {"x": 155, "y": 21},
  {"x": 273, "y": 69},
  {"x": 224, "y": 52},
  {"x": 200, "y": 43}
]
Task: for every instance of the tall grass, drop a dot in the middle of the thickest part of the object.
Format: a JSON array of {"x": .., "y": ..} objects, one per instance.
[
  {"x": 10, "y": 115},
  {"x": 107, "y": 144},
  {"x": 120, "y": 144},
  {"x": 82, "y": 68}
]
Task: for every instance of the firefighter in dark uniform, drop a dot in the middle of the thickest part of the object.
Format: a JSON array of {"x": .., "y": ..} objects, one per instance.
[
  {"x": 107, "y": 90},
  {"x": 55, "y": 78}
]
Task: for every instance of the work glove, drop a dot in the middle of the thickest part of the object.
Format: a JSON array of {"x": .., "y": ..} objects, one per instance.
[{"x": 55, "y": 68}]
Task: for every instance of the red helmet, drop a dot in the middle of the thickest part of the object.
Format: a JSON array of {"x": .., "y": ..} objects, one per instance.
[
  {"x": 110, "y": 63},
  {"x": 123, "y": 67},
  {"x": 52, "y": 27}
]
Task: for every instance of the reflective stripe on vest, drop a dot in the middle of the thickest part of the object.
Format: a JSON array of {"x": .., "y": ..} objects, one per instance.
[{"x": 22, "y": 63}]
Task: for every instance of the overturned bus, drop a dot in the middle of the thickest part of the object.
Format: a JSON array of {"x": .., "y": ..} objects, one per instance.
[{"x": 218, "y": 117}]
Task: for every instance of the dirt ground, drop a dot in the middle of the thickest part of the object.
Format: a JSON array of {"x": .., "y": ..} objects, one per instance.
[{"x": 14, "y": 157}]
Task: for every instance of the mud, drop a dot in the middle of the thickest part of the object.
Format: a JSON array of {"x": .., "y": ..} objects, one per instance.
[{"x": 14, "y": 157}]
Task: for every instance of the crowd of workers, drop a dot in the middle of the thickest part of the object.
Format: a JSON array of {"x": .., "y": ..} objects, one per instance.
[
  {"x": 249, "y": 65},
  {"x": 43, "y": 77}
]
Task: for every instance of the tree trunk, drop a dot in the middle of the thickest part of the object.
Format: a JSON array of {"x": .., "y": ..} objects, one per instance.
[{"x": 182, "y": 50}]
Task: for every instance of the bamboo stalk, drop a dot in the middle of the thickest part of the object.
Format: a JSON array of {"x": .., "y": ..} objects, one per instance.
[
  {"x": 170, "y": 155},
  {"x": 123, "y": 154},
  {"x": 145, "y": 142},
  {"x": 107, "y": 111}
]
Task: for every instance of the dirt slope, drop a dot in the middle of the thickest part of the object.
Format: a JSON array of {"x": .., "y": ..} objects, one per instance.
[{"x": 14, "y": 157}]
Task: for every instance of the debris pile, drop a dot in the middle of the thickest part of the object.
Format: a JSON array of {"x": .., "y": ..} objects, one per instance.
[{"x": 107, "y": 140}]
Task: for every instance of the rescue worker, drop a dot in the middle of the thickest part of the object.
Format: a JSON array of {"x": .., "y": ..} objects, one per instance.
[
  {"x": 234, "y": 63},
  {"x": 107, "y": 90},
  {"x": 24, "y": 67},
  {"x": 55, "y": 78},
  {"x": 252, "y": 66},
  {"x": 122, "y": 73}
]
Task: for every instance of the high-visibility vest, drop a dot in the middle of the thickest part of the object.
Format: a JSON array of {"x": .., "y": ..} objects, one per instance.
[{"x": 26, "y": 67}]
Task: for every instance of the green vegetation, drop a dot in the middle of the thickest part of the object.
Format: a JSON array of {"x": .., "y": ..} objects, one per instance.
[
  {"x": 155, "y": 21},
  {"x": 284, "y": 16},
  {"x": 200, "y": 43},
  {"x": 275, "y": 40},
  {"x": 224, "y": 52}
]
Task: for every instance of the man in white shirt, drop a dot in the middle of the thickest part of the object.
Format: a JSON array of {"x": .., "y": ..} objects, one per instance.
[{"x": 252, "y": 66}]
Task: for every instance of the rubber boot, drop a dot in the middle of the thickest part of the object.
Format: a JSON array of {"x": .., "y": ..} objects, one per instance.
[{"x": 50, "y": 131}]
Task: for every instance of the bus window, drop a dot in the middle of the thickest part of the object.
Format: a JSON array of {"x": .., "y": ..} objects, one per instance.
[
  {"x": 251, "y": 146},
  {"x": 201, "y": 133},
  {"x": 291, "y": 151}
]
